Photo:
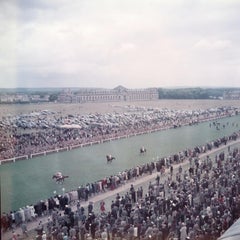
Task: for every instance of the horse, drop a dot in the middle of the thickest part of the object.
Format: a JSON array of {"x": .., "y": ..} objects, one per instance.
[
  {"x": 110, "y": 158},
  {"x": 143, "y": 150},
  {"x": 59, "y": 177}
]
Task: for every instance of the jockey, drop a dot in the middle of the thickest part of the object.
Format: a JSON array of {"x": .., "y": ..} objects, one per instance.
[
  {"x": 58, "y": 174},
  {"x": 142, "y": 149}
]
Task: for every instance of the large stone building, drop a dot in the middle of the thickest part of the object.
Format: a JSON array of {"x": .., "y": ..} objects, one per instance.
[{"x": 108, "y": 95}]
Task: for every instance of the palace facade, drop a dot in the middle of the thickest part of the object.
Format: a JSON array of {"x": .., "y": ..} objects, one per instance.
[{"x": 119, "y": 93}]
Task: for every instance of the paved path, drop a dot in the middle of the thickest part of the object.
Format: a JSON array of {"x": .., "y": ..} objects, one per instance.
[{"x": 108, "y": 196}]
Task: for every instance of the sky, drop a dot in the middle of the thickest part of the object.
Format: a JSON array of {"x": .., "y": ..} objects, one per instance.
[{"x": 106, "y": 43}]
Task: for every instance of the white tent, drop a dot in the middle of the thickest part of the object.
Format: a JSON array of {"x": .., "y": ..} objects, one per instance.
[{"x": 68, "y": 126}]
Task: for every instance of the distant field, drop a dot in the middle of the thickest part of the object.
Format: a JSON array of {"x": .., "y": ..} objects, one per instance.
[{"x": 15, "y": 109}]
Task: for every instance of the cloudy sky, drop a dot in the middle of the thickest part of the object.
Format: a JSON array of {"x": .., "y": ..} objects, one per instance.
[{"x": 105, "y": 43}]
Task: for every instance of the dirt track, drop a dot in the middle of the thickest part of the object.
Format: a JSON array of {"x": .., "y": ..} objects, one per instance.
[{"x": 15, "y": 109}]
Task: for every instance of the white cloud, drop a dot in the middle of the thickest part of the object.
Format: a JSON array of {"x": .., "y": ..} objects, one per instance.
[
  {"x": 105, "y": 43},
  {"x": 213, "y": 45}
]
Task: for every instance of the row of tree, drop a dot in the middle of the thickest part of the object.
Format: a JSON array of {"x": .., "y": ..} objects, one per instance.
[{"x": 192, "y": 93}]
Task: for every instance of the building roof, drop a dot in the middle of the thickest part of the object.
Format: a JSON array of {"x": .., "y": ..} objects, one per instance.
[
  {"x": 120, "y": 88},
  {"x": 233, "y": 233}
]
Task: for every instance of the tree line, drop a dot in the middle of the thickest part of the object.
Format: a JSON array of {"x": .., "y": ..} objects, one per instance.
[{"x": 192, "y": 93}]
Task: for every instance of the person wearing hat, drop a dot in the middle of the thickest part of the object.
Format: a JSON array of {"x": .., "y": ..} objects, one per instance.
[
  {"x": 44, "y": 235},
  {"x": 183, "y": 232},
  {"x": 102, "y": 206},
  {"x": 49, "y": 225},
  {"x": 39, "y": 228},
  {"x": 24, "y": 229},
  {"x": 90, "y": 207}
]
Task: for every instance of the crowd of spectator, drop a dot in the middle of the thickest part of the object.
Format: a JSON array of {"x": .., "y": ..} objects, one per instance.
[
  {"x": 197, "y": 200},
  {"x": 29, "y": 134}
]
